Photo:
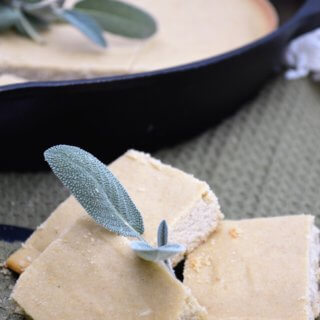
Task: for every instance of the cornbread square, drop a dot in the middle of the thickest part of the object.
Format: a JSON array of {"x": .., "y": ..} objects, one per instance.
[
  {"x": 264, "y": 268},
  {"x": 159, "y": 191},
  {"x": 90, "y": 273}
]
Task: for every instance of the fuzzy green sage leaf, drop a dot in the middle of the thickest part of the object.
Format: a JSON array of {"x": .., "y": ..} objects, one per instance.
[
  {"x": 149, "y": 253},
  {"x": 85, "y": 24},
  {"x": 97, "y": 189},
  {"x": 162, "y": 233},
  {"x": 9, "y": 17},
  {"x": 25, "y": 26},
  {"x": 119, "y": 17},
  {"x": 91, "y": 17}
]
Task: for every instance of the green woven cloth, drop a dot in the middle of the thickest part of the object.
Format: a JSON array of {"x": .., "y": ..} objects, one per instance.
[
  {"x": 264, "y": 161},
  {"x": 8, "y": 309}
]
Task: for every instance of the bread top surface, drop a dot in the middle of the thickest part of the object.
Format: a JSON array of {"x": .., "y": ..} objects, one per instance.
[
  {"x": 89, "y": 273},
  {"x": 254, "y": 269}
]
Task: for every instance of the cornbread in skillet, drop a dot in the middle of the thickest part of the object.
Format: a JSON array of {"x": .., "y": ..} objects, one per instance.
[
  {"x": 159, "y": 191},
  {"x": 264, "y": 268},
  {"x": 90, "y": 273},
  {"x": 189, "y": 30}
]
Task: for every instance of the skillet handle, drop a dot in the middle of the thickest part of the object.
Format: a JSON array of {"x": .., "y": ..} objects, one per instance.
[{"x": 308, "y": 17}]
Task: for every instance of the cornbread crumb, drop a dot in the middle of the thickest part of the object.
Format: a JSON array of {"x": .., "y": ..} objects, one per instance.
[
  {"x": 145, "y": 313},
  {"x": 234, "y": 233},
  {"x": 194, "y": 264},
  {"x": 41, "y": 227},
  {"x": 198, "y": 263}
]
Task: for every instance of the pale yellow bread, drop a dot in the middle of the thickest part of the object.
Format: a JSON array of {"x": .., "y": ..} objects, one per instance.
[
  {"x": 6, "y": 79},
  {"x": 263, "y": 268},
  {"x": 192, "y": 30},
  {"x": 189, "y": 30},
  {"x": 90, "y": 273},
  {"x": 66, "y": 54},
  {"x": 159, "y": 191}
]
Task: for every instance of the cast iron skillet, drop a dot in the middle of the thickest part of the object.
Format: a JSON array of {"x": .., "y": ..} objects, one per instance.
[
  {"x": 12, "y": 233},
  {"x": 148, "y": 110}
]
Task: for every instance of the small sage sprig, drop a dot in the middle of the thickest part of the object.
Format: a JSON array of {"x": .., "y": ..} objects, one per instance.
[
  {"x": 163, "y": 252},
  {"x": 106, "y": 200},
  {"x": 91, "y": 17}
]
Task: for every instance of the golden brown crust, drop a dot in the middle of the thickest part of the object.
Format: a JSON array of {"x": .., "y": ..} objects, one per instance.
[
  {"x": 270, "y": 12},
  {"x": 21, "y": 259}
]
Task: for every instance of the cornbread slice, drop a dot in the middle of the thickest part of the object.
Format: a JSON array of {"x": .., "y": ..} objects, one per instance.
[
  {"x": 189, "y": 30},
  {"x": 159, "y": 191},
  {"x": 263, "y": 268},
  {"x": 90, "y": 273}
]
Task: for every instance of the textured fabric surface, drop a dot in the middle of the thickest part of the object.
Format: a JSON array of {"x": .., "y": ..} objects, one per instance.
[
  {"x": 8, "y": 309},
  {"x": 263, "y": 161}
]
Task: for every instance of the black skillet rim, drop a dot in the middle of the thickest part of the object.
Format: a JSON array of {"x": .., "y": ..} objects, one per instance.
[{"x": 11, "y": 233}]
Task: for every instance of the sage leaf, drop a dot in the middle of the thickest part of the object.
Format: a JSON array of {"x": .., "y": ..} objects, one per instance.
[
  {"x": 37, "y": 2},
  {"x": 162, "y": 233},
  {"x": 97, "y": 189},
  {"x": 119, "y": 18},
  {"x": 34, "y": 5},
  {"x": 38, "y": 22},
  {"x": 44, "y": 9},
  {"x": 84, "y": 24},
  {"x": 9, "y": 17},
  {"x": 149, "y": 253},
  {"x": 46, "y": 15},
  {"x": 24, "y": 26}
]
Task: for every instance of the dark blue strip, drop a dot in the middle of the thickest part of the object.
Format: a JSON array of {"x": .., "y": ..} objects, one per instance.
[{"x": 12, "y": 233}]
